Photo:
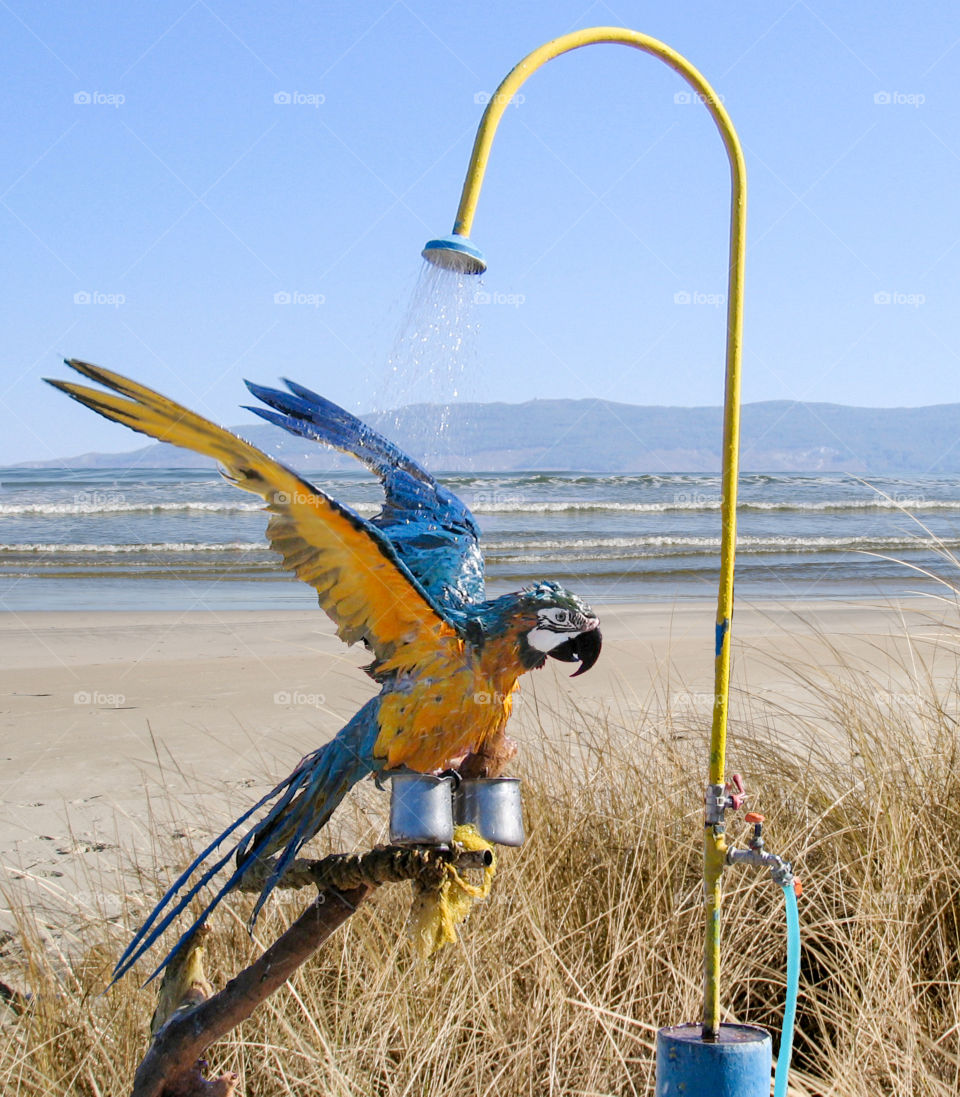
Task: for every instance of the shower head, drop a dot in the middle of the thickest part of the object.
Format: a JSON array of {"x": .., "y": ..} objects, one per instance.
[{"x": 455, "y": 253}]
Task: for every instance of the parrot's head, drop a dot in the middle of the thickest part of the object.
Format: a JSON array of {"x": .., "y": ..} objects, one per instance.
[{"x": 546, "y": 619}]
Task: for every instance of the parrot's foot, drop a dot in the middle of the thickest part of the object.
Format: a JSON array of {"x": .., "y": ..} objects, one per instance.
[{"x": 491, "y": 759}]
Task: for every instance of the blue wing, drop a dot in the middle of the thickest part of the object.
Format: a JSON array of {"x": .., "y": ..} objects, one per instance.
[{"x": 432, "y": 530}]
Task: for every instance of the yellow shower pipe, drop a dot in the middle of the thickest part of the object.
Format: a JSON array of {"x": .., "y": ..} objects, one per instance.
[{"x": 714, "y": 844}]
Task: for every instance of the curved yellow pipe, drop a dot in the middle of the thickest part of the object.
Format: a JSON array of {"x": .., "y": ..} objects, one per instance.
[{"x": 714, "y": 846}]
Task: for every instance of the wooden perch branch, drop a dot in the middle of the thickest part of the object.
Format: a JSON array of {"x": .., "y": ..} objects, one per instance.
[
  {"x": 388, "y": 865},
  {"x": 173, "y": 1065}
]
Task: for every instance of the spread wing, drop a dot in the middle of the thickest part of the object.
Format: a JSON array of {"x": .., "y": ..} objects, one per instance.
[
  {"x": 432, "y": 530},
  {"x": 362, "y": 584}
]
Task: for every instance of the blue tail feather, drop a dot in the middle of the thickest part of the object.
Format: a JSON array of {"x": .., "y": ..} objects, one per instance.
[
  {"x": 283, "y": 863},
  {"x": 122, "y": 964},
  {"x": 307, "y": 798},
  {"x": 143, "y": 941}
]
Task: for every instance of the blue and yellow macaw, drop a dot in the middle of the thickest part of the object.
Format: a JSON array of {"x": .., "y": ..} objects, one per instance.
[{"x": 408, "y": 584}]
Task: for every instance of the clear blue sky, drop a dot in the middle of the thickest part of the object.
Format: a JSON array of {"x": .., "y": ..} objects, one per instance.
[{"x": 198, "y": 198}]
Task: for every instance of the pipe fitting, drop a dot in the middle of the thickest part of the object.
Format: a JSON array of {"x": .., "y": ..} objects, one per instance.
[
  {"x": 755, "y": 853},
  {"x": 718, "y": 798},
  {"x": 714, "y": 805},
  {"x": 781, "y": 871}
]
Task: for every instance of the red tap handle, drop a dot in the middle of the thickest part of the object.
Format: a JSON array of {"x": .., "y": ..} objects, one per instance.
[{"x": 737, "y": 793}]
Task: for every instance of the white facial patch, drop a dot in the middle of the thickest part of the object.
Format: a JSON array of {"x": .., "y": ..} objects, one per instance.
[{"x": 554, "y": 627}]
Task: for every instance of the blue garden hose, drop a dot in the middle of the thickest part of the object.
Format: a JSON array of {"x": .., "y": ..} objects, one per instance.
[
  {"x": 737, "y": 1063},
  {"x": 793, "y": 982}
]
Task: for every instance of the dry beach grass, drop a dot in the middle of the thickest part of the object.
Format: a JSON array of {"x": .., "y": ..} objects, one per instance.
[{"x": 592, "y": 938}]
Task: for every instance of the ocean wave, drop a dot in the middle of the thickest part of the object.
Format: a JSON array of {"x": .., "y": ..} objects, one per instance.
[
  {"x": 518, "y": 551},
  {"x": 905, "y": 504},
  {"x": 52, "y": 548},
  {"x": 488, "y": 481},
  {"x": 120, "y": 507},
  {"x": 561, "y": 506},
  {"x": 523, "y": 506},
  {"x": 626, "y": 548},
  {"x": 103, "y": 507},
  {"x": 484, "y": 502},
  {"x": 504, "y": 504}
]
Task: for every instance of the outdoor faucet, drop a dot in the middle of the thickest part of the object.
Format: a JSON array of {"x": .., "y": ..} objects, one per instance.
[{"x": 781, "y": 871}]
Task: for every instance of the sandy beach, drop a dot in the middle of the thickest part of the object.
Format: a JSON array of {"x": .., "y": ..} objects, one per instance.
[{"x": 117, "y": 726}]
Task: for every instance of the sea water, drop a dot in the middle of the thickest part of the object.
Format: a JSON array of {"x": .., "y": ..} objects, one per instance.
[{"x": 185, "y": 539}]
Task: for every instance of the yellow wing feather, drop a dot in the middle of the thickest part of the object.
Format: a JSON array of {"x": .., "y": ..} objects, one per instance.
[{"x": 361, "y": 583}]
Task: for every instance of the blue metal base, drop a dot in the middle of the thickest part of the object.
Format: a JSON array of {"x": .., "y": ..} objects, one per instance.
[{"x": 735, "y": 1065}]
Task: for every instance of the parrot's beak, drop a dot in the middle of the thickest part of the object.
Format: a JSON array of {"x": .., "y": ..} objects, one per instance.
[{"x": 584, "y": 648}]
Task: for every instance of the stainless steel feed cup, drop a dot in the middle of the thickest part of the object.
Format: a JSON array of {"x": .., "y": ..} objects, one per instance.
[
  {"x": 494, "y": 806},
  {"x": 421, "y": 810}
]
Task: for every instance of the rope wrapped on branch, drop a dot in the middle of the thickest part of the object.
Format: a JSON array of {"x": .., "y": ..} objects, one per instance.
[
  {"x": 189, "y": 1018},
  {"x": 386, "y": 865}
]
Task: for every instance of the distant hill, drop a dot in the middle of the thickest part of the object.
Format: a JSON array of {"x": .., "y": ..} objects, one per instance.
[{"x": 607, "y": 437}]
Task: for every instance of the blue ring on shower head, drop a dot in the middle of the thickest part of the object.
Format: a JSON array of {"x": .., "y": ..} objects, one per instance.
[{"x": 455, "y": 253}]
